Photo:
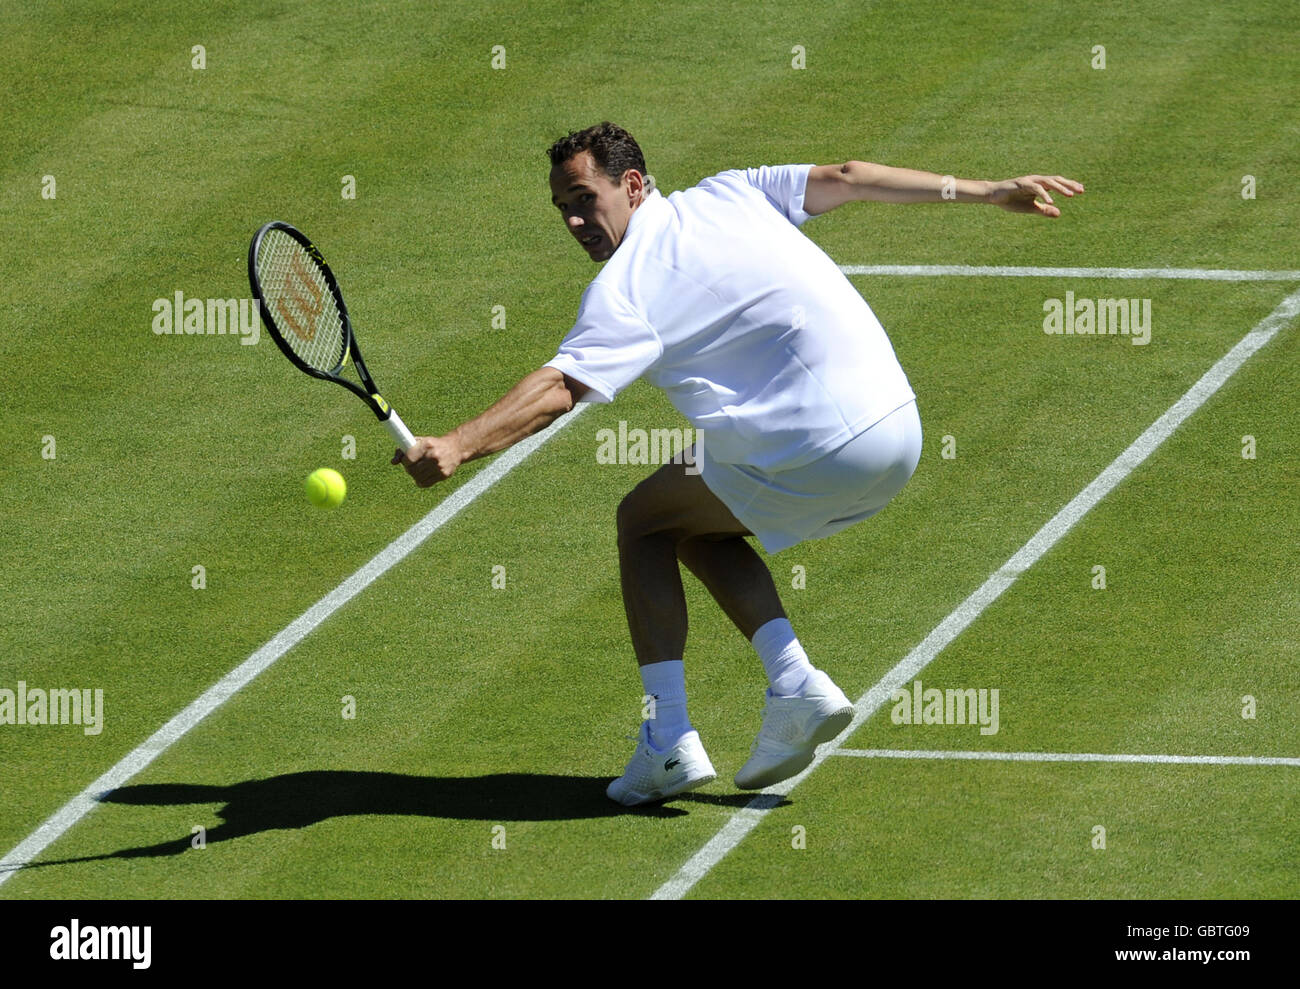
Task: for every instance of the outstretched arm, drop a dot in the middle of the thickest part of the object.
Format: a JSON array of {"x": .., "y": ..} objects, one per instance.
[
  {"x": 830, "y": 186},
  {"x": 530, "y": 406}
]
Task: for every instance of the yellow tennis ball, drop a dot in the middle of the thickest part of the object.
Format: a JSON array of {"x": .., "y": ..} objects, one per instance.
[{"x": 326, "y": 488}]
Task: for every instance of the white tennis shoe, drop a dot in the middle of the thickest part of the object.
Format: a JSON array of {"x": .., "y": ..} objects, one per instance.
[
  {"x": 792, "y": 729},
  {"x": 657, "y": 775}
]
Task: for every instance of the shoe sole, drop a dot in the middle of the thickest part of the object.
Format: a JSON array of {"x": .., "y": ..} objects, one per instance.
[
  {"x": 829, "y": 728},
  {"x": 635, "y": 799},
  {"x": 833, "y": 725}
]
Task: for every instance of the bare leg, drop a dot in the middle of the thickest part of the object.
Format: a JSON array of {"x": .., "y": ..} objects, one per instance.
[
  {"x": 652, "y": 596},
  {"x": 673, "y": 514},
  {"x": 737, "y": 578}
]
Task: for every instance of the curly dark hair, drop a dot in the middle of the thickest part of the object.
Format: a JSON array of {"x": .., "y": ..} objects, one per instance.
[{"x": 613, "y": 149}]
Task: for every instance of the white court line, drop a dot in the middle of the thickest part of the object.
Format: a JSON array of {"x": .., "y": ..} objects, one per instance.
[
  {"x": 1194, "y": 760},
  {"x": 244, "y": 674},
  {"x": 747, "y": 818},
  {"x": 967, "y": 270}
]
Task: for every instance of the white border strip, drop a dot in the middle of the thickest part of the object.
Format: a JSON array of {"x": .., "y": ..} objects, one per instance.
[
  {"x": 747, "y": 818},
  {"x": 244, "y": 674},
  {"x": 1194, "y": 760},
  {"x": 967, "y": 270}
]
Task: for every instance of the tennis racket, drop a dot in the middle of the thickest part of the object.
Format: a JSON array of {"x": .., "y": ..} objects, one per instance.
[{"x": 304, "y": 312}]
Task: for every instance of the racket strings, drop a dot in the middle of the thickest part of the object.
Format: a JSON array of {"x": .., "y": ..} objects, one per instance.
[{"x": 299, "y": 300}]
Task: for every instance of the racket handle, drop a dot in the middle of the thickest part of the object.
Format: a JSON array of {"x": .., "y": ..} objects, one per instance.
[{"x": 399, "y": 431}]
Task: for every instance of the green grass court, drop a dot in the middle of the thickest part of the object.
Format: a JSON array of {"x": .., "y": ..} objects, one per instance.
[{"x": 489, "y": 716}]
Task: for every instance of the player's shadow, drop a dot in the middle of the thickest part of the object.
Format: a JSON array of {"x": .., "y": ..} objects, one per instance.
[{"x": 298, "y": 800}]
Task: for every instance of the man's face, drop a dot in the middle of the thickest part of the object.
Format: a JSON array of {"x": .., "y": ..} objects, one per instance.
[{"x": 595, "y": 208}]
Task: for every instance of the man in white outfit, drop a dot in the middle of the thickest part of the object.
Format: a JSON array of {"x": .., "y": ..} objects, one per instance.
[{"x": 808, "y": 422}]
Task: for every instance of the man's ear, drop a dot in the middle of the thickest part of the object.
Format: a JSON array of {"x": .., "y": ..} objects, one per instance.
[{"x": 635, "y": 184}]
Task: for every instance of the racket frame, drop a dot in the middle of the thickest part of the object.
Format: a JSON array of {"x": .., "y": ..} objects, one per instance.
[{"x": 366, "y": 391}]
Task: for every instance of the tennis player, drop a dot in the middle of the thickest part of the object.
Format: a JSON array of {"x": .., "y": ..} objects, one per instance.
[{"x": 809, "y": 423}]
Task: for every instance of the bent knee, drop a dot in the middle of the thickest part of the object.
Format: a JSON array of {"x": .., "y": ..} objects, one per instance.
[
  {"x": 675, "y": 504},
  {"x": 633, "y": 517}
]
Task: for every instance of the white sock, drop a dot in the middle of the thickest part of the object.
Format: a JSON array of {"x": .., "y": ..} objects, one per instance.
[
  {"x": 783, "y": 658},
  {"x": 666, "y": 684}
]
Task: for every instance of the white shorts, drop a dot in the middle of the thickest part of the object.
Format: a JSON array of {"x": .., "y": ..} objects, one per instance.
[{"x": 847, "y": 485}]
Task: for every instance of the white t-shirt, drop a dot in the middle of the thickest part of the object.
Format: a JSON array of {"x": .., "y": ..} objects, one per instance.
[{"x": 757, "y": 338}]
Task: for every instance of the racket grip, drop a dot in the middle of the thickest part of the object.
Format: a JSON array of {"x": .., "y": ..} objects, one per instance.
[{"x": 399, "y": 431}]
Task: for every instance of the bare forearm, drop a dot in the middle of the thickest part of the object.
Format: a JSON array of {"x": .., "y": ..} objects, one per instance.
[
  {"x": 886, "y": 184},
  {"x": 530, "y": 406},
  {"x": 830, "y": 186}
]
